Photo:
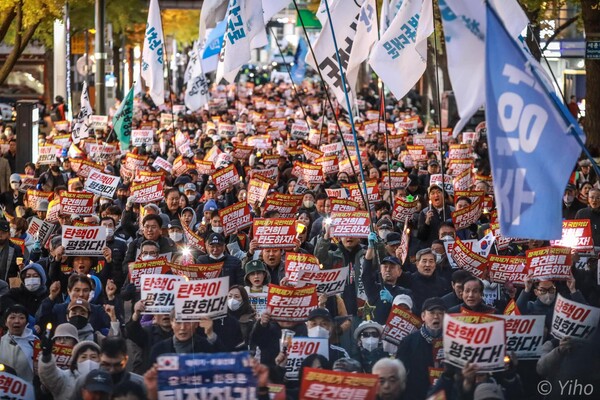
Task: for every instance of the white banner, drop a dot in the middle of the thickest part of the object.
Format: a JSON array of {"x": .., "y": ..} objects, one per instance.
[
  {"x": 199, "y": 299},
  {"x": 574, "y": 319},
  {"x": 158, "y": 292},
  {"x": 102, "y": 184},
  {"x": 83, "y": 240},
  {"x": 153, "y": 55}
]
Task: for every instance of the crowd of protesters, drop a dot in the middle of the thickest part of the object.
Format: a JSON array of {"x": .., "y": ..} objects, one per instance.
[{"x": 89, "y": 304}]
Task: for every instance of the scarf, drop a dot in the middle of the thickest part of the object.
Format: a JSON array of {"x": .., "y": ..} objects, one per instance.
[
  {"x": 427, "y": 335},
  {"x": 25, "y": 343}
]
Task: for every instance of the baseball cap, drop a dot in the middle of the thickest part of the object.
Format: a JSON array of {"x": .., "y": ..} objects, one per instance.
[
  {"x": 391, "y": 260},
  {"x": 42, "y": 205},
  {"x": 435, "y": 187},
  {"x": 210, "y": 205},
  {"x": 585, "y": 163},
  {"x": 98, "y": 381},
  {"x": 384, "y": 223},
  {"x": 403, "y": 299},
  {"x": 393, "y": 238},
  {"x": 216, "y": 238},
  {"x": 15, "y": 178},
  {"x": 433, "y": 162},
  {"x": 211, "y": 186},
  {"x": 189, "y": 186},
  {"x": 319, "y": 312},
  {"x": 79, "y": 303},
  {"x": 175, "y": 223},
  {"x": 433, "y": 303}
]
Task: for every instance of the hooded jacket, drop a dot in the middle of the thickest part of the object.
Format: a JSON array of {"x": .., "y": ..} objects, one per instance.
[
  {"x": 21, "y": 295},
  {"x": 17, "y": 353}
]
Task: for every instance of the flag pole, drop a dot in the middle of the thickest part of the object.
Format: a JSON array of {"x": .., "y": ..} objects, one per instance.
[
  {"x": 343, "y": 76},
  {"x": 324, "y": 87},
  {"x": 287, "y": 68},
  {"x": 439, "y": 114},
  {"x": 382, "y": 115}
]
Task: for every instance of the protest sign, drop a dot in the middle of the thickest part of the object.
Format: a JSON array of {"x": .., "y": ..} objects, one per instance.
[
  {"x": 576, "y": 234},
  {"x": 98, "y": 122},
  {"x": 206, "y": 298},
  {"x": 225, "y": 178},
  {"x": 193, "y": 239},
  {"x": 332, "y": 149},
  {"x": 291, "y": 304},
  {"x": 507, "y": 269},
  {"x": 524, "y": 335},
  {"x": 47, "y": 154},
  {"x": 448, "y": 186},
  {"x": 346, "y": 165},
  {"x": 549, "y": 263},
  {"x": 430, "y": 142},
  {"x": 102, "y": 184},
  {"x": 339, "y": 193},
  {"x": 301, "y": 348},
  {"x": 350, "y": 224},
  {"x": 269, "y": 173},
  {"x": 310, "y": 173},
  {"x": 139, "y": 268},
  {"x": 258, "y": 188},
  {"x": 134, "y": 161},
  {"x": 34, "y": 226},
  {"x": 394, "y": 180},
  {"x": 334, "y": 385},
  {"x": 329, "y": 282},
  {"x": 166, "y": 120},
  {"x": 142, "y": 137},
  {"x": 181, "y": 166},
  {"x": 458, "y": 151},
  {"x": 344, "y": 205},
  {"x": 147, "y": 176},
  {"x": 481, "y": 247},
  {"x": 83, "y": 241},
  {"x": 400, "y": 324},
  {"x": 226, "y": 130},
  {"x": 258, "y": 301},
  {"x": 198, "y": 271},
  {"x": 299, "y": 130},
  {"x": 14, "y": 388},
  {"x": 79, "y": 203},
  {"x": 461, "y": 180},
  {"x": 404, "y": 209},
  {"x": 482, "y": 344},
  {"x": 204, "y": 167},
  {"x": 576, "y": 320},
  {"x": 311, "y": 154},
  {"x": 235, "y": 217},
  {"x": 468, "y": 260},
  {"x": 278, "y": 233},
  {"x": 157, "y": 292},
  {"x": 34, "y": 197},
  {"x": 330, "y": 164},
  {"x": 217, "y": 376},
  {"x": 147, "y": 192},
  {"x": 467, "y": 216},
  {"x": 298, "y": 262},
  {"x": 417, "y": 152},
  {"x": 373, "y": 195},
  {"x": 242, "y": 152},
  {"x": 27, "y": 183}
]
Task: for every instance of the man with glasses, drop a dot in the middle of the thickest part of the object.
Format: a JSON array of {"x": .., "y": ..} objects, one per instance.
[
  {"x": 545, "y": 292},
  {"x": 592, "y": 213},
  {"x": 151, "y": 230},
  {"x": 416, "y": 350}
]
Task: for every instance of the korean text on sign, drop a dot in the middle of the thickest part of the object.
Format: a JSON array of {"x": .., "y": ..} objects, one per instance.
[
  {"x": 291, "y": 304},
  {"x": 574, "y": 319},
  {"x": 333, "y": 385},
  {"x": 275, "y": 233},
  {"x": 195, "y": 300},
  {"x": 83, "y": 241}
]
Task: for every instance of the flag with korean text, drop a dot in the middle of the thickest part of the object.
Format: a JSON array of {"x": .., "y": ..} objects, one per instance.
[
  {"x": 153, "y": 55},
  {"x": 402, "y": 50},
  {"x": 531, "y": 140},
  {"x": 122, "y": 120},
  {"x": 81, "y": 126}
]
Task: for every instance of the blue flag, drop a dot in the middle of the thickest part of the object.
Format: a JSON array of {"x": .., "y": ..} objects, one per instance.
[
  {"x": 299, "y": 68},
  {"x": 531, "y": 139}
]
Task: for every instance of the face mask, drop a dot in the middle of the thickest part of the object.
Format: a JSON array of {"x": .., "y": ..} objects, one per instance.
[
  {"x": 79, "y": 321},
  {"x": 217, "y": 229},
  {"x": 180, "y": 189},
  {"x": 318, "y": 332},
  {"x": 117, "y": 377},
  {"x": 86, "y": 366},
  {"x": 234, "y": 304},
  {"x": 32, "y": 284},
  {"x": 15, "y": 185},
  {"x": 369, "y": 343},
  {"x": 308, "y": 203},
  {"x": 438, "y": 258},
  {"x": 110, "y": 232},
  {"x": 191, "y": 197},
  {"x": 176, "y": 236},
  {"x": 568, "y": 199},
  {"x": 547, "y": 298},
  {"x": 447, "y": 238},
  {"x": 13, "y": 232}
]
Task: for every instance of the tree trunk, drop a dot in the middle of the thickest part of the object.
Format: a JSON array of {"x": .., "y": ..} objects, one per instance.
[
  {"x": 591, "y": 25},
  {"x": 8, "y": 20}
]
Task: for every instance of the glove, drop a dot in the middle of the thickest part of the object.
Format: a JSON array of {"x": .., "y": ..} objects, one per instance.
[
  {"x": 46, "y": 345},
  {"x": 37, "y": 246},
  {"x": 372, "y": 239},
  {"x": 386, "y": 296}
]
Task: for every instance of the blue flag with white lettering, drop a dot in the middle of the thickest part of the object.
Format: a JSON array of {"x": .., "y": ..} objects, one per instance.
[
  {"x": 531, "y": 140},
  {"x": 299, "y": 68}
]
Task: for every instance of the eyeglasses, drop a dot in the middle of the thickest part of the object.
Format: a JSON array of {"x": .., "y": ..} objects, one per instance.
[
  {"x": 551, "y": 290},
  {"x": 370, "y": 334}
]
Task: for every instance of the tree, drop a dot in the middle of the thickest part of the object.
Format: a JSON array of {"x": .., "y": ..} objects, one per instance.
[
  {"x": 590, "y": 9},
  {"x": 21, "y": 19}
]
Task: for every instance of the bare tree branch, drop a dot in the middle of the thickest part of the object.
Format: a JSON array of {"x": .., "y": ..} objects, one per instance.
[{"x": 559, "y": 30}]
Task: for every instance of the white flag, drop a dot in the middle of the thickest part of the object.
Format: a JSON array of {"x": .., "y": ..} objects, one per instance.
[
  {"x": 212, "y": 12},
  {"x": 256, "y": 24},
  {"x": 464, "y": 28},
  {"x": 400, "y": 56},
  {"x": 196, "y": 92},
  {"x": 272, "y": 7},
  {"x": 321, "y": 13},
  {"x": 344, "y": 16},
  {"x": 82, "y": 125},
  {"x": 365, "y": 38},
  {"x": 153, "y": 55},
  {"x": 236, "y": 42},
  {"x": 192, "y": 59}
]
